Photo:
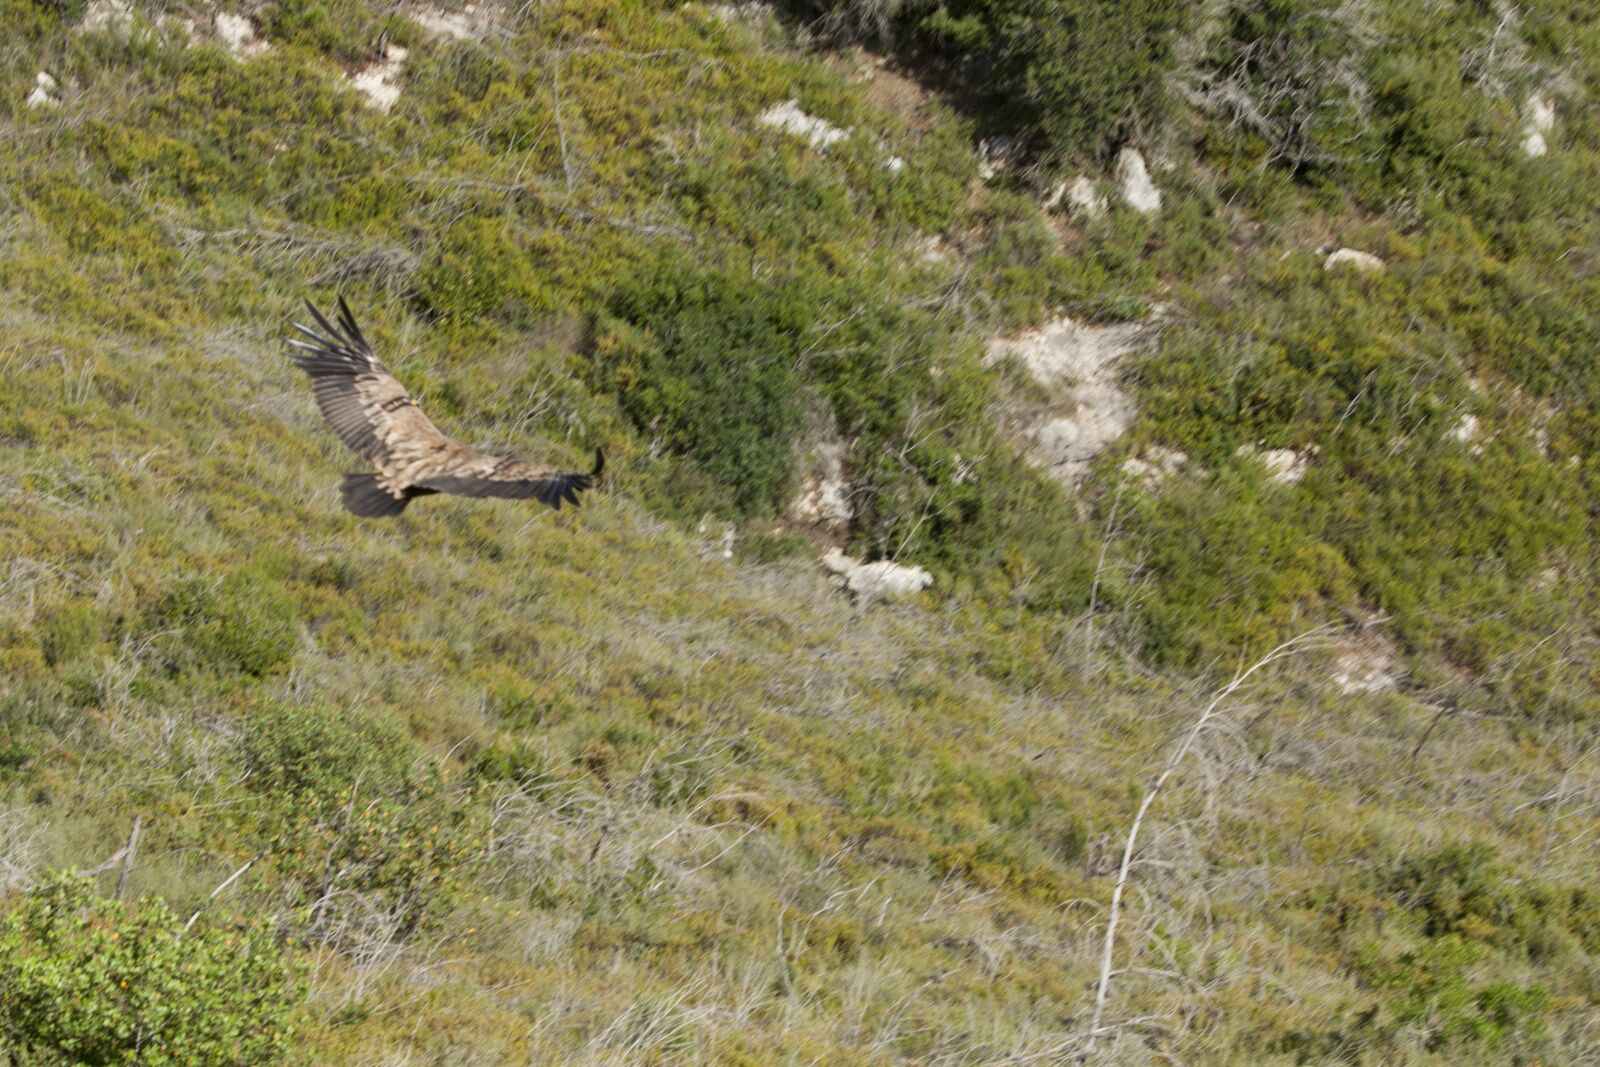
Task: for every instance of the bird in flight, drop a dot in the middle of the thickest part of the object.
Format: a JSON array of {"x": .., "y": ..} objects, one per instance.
[{"x": 373, "y": 414}]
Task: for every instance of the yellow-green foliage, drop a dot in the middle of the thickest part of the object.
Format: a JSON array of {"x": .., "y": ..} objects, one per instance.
[{"x": 89, "y": 980}]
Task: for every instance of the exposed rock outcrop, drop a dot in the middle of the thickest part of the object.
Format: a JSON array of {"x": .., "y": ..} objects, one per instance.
[
  {"x": 883, "y": 580},
  {"x": 788, "y": 117},
  {"x": 107, "y": 16},
  {"x": 1155, "y": 466},
  {"x": 750, "y": 12},
  {"x": 1284, "y": 465},
  {"x": 1540, "y": 123},
  {"x": 1081, "y": 198},
  {"x": 44, "y": 92},
  {"x": 996, "y": 154},
  {"x": 1133, "y": 182},
  {"x": 238, "y": 36},
  {"x": 1363, "y": 262},
  {"x": 824, "y": 497},
  {"x": 468, "y": 24},
  {"x": 1079, "y": 364},
  {"x": 380, "y": 82}
]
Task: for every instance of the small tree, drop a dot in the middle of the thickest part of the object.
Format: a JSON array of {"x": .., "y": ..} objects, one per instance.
[{"x": 89, "y": 980}]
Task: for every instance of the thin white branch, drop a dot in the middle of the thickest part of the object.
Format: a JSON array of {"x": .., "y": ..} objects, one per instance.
[{"x": 1288, "y": 648}]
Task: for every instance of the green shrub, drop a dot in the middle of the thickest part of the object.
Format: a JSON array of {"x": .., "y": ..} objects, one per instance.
[
  {"x": 1431, "y": 989},
  {"x": 1291, "y": 73},
  {"x": 87, "y": 980},
  {"x": 349, "y": 810},
  {"x": 247, "y": 622},
  {"x": 315, "y": 753},
  {"x": 705, "y": 364},
  {"x": 479, "y": 271},
  {"x": 1091, "y": 73},
  {"x": 1080, "y": 77}
]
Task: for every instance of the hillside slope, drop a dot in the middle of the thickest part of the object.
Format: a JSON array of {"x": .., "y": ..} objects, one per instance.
[{"x": 638, "y": 783}]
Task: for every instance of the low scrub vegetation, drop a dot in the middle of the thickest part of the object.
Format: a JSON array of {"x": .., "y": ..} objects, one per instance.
[{"x": 401, "y": 791}]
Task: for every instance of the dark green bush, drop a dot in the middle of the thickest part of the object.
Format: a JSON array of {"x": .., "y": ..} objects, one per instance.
[
  {"x": 1293, "y": 75},
  {"x": 1078, "y": 77},
  {"x": 706, "y": 366},
  {"x": 1091, "y": 73}
]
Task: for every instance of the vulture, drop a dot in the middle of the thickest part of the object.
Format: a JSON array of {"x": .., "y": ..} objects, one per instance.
[{"x": 374, "y": 415}]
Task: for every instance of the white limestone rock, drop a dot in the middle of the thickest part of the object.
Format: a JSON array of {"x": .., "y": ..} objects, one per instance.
[
  {"x": 44, "y": 92},
  {"x": 1083, "y": 200},
  {"x": 470, "y": 23},
  {"x": 1361, "y": 262},
  {"x": 933, "y": 249},
  {"x": 824, "y": 497},
  {"x": 1285, "y": 466},
  {"x": 788, "y": 117},
  {"x": 883, "y": 580},
  {"x": 1540, "y": 123},
  {"x": 1079, "y": 364},
  {"x": 996, "y": 154},
  {"x": 238, "y": 36},
  {"x": 1133, "y": 181},
  {"x": 748, "y": 13},
  {"x": 107, "y": 16},
  {"x": 1155, "y": 466}
]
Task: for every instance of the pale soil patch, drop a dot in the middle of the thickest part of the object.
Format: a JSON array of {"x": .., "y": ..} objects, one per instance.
[
  {"x": 1366, "y": 662},
  {"x": 380, "y": 82}
]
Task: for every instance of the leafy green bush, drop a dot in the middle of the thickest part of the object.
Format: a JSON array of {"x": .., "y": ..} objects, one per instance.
[
  {"x": 350, "y": 811},
  {"x": 1291, "y": 73},
  {"x": 315, "y": 752},
  {"x": 88, "y": 980},
  {"x": 705, "y": 363},
  {"x": 1091, "y": 73},
  {"x": 479, "y": 271},
  {"x": 247, "y": 622},
  {"x": 1080, "y": 77},
  {"x": 1433, "y": 989}
]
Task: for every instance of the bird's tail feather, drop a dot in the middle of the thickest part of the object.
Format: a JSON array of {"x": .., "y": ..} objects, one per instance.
[{"x": 363, "y": 496}]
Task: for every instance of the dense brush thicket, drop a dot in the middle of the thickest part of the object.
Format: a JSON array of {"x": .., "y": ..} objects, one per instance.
[{"x": 488, "y": 785}]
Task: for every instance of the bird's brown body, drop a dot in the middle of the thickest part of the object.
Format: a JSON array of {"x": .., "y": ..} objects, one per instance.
[{"x": 374, "y": 415}]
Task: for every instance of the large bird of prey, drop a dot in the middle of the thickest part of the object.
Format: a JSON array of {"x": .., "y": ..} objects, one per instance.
[{"x": 372, "y": 413}]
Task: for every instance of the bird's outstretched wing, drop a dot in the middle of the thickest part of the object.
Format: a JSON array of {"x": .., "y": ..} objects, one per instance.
[
  {"x": 481, "y": 475},
  {"x": 373, "y": 414},
  {"x": 364, "y": 404}
]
